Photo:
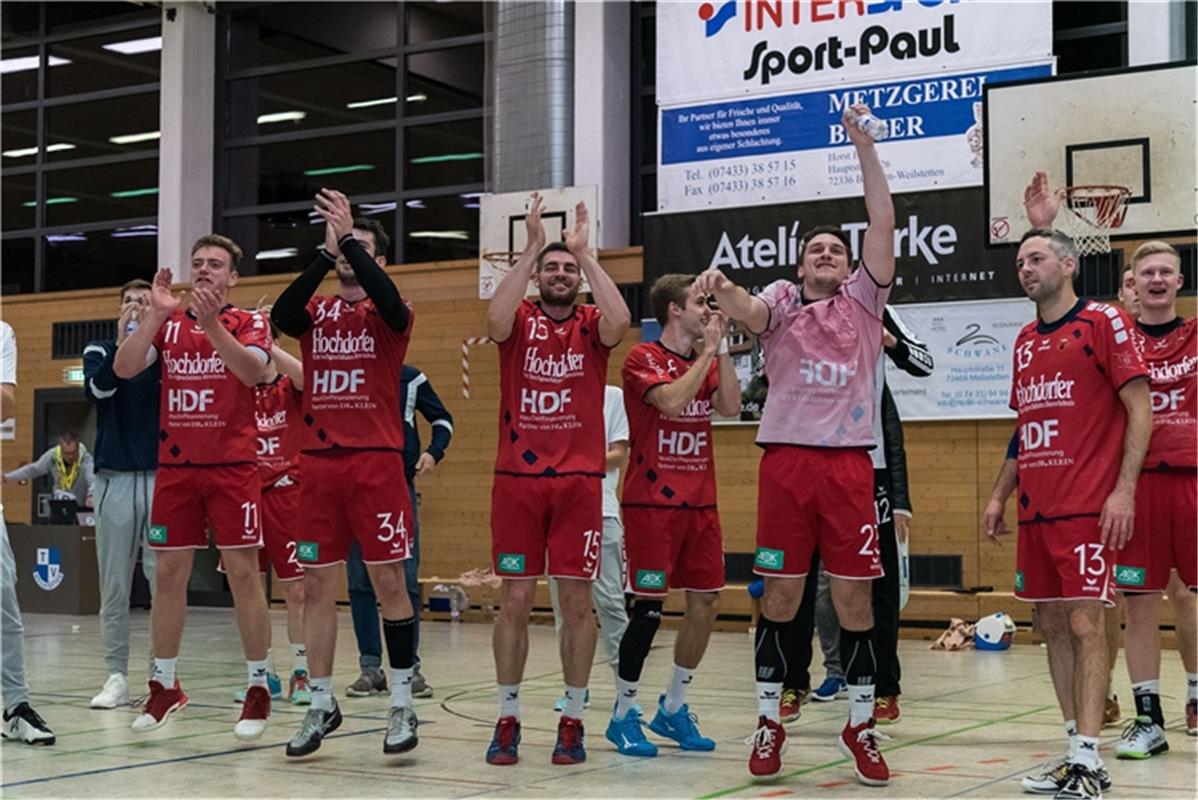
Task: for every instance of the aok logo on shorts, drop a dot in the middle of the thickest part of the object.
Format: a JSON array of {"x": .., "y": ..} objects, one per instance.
[
  {"x": 307, "y": 551},
  {"x": 1129, "y": 576},
  {"x": 1019, "y": 580},
  {"x": 650, "y": 579},
  {"x": 511, "y": 562},
  {"x": 769, "y": 559},
  {"x": 157, "y": 534}
]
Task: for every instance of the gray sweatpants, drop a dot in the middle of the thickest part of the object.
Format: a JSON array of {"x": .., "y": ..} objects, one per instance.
[
  {"x": 12, "y": 642},
  {"x": 828, "y": 626},
  {"x": 123, "y": 502},
  {"x": 607, "y": 593}
]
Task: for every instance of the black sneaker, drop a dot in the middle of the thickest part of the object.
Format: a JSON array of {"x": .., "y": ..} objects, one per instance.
[
  {"x": 317, "y": 724},
  {"x": 26, "y": 725},
  {"x": 1082, "y": 784}
]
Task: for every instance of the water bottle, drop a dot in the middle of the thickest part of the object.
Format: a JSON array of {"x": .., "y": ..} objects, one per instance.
[
  {"x": 870, "y": 125},
  {"x": 130, "y": 327},
  {"x": 458, "y": 602}
]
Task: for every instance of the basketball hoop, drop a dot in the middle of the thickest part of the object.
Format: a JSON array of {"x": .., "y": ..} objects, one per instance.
[
  {"x": 492, "y": 268},
  {"x": 1095, "y": 210},
  {"x": 501, "y": 262}
]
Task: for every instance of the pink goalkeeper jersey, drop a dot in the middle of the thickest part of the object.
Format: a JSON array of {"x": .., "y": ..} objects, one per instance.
[{"x": 821, "y": 361}]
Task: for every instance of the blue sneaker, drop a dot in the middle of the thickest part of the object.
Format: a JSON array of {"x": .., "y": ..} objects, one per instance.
[
  {"x": 504, "y": 749},
  {"x": 561, "y": 702},
  {"x": 831, "y": 689},
  {"x": 627, "y": 736},
  {"x": 273, "y": 683},
  {"x": 680, "y": 727}
]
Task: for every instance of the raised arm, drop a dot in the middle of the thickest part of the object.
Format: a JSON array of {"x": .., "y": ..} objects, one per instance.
[
  {"x": 1041, "y": 201},
  {"x": 244, "y": 362},
  {"x": 289, "y": 365},
  {"x": 734, "y": 301},
  {"x": 134, "y": 353},
  {"x": 290, "y": 311},
  {"x": 501, "y": 314},
  {"x": 616, "y": 318},
  {"x": 334, "y": 208},
  {"x": 877, "y": 247}
]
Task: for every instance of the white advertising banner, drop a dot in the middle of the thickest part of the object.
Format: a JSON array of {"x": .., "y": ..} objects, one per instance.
[
  {"x": 793, "y": 147},
  {"x": 712, "y": 49},
  {"x": 972, "y": 343}
]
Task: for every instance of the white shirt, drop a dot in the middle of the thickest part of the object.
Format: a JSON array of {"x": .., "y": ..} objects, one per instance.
[
  {"x": 8, "y": 355},
  {"x": 615, "y": 422}
]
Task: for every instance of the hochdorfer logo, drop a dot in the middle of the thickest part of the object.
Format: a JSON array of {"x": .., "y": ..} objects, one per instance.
[
  {"x": 565, "y": 365},
  {"x": 342, "y": 343},
  {"x": 193, "y": 364},
  {"x": 1043, "y": 390}
]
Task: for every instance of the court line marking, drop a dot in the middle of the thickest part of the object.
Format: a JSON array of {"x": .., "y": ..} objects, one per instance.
[{"x": 841, "y": 761}]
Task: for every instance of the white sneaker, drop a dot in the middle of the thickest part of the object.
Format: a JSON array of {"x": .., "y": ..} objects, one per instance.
[
  {"x": 114, "y": 694},
  {"x": 1142, "y": 738}
]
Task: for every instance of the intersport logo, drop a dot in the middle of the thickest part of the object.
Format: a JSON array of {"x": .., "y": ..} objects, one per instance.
[
  {"x": 758, "y": 15},
  {"x": 341, "y": 343},
  {"x": 193, "y": 364}
]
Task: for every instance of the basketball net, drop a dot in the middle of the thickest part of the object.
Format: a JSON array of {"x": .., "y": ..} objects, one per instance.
[{"x": 1094, "y": 210}]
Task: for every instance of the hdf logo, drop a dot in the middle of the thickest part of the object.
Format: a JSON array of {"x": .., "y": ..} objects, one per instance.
[{"x": 715, "y": 20}]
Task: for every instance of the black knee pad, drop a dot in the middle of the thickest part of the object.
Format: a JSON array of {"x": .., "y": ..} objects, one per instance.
[{"x": 638, "y": 637}]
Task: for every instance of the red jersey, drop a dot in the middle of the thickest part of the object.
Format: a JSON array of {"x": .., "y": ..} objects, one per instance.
[
  {"x": 551, "y": 375},
  {"x": 279, "y": 429},
  {"x": 1171, "y": 353},
  {"x": 1065, "y": 390},
  {"x": 206, "y": 413},
  {"x": 352, "y": 362},
  {"x": 670, "y": 459}
]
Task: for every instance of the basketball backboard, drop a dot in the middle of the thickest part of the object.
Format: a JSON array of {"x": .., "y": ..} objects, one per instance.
[
  {"x": 1131, "y": 127},
  {"x": 502, "y": 235}
]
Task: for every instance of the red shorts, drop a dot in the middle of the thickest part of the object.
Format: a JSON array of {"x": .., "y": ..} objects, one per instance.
[
  {"x": 1063, "y": 560},
  {"x": 562, "y": 516},
  {"x": 187, "y": 500},
  {"x": 673, "y": 548},
  {"x": 811, "y": 498},
  {"x": 353, "y": 495},
  {"x": 280, "y": 518},
  {"x": 1166, "y": 536}
]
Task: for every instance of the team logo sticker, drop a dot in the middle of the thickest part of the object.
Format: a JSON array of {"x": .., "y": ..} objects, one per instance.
[
  {"x": 47, "y": 573},
  {"x": 307, "y": 551},
  {"x": 157, "y": 534},
  {"x": 1129, "y": 576},
  {"x": 512, "y": 563},
  {"x": 1019, "y": 580},
  {"x": 767, "y": 558},
  {"x": 650, "y": 579}
]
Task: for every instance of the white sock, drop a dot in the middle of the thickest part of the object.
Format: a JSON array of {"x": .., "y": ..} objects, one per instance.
[
  {"x": 861, "y": 704},
  {"x": 299, "y": 657},
  {"x": 1146, "y": 687},
  {"x": 258, "y": 671},
  {"x": 164, "y": 671},
  {"x": 575, "y": 702},
  {"x": 1191, "y": 686},
  {"x": 1086, "y": 752},
  {"x": 509, "y": 700},
  {"x": 401, "y": 687},
  {"x": 270, "y": 663},
  {"x": 769, "y": 696},
  {"x": 625, "y": 697},
  {"x": 322, "y": 693},
  {"x": 676, "y": 691},
  {"x": 1071, "y": 728}
]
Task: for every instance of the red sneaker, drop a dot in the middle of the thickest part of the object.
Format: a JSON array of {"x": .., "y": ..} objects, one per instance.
[
  {"x": 569, "y": 748},
  {"x": 505, "y": 744},
  {"x": 886, "y": 710},
  {"x": 1192, "y": 718},
  {"x": 767, "y": 745},
  {"x": 162, "y": 703},
  {"x": 254, "y": 713},
  {"x": 860, "y": 744},
  {"x": 1110, "y": 711},
  {"x": 791, "y": 707}
]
